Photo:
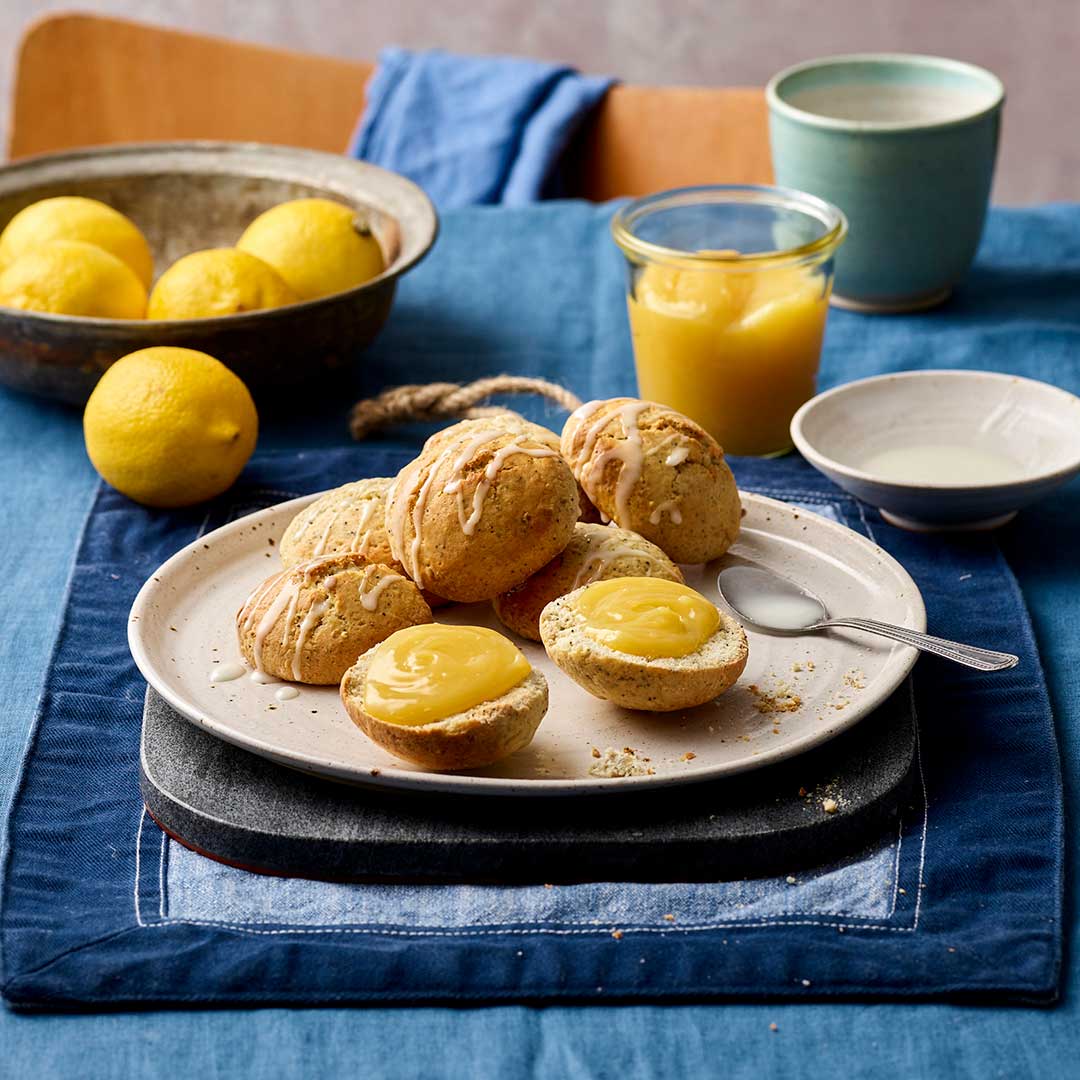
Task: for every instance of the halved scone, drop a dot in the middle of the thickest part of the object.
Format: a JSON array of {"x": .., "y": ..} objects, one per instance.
[
  {"x": 414, "y": 697},
  {"x": 590, "y": 652}
]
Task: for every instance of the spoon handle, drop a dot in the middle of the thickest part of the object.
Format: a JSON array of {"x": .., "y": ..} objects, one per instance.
[{"x": 968, "y": 655}]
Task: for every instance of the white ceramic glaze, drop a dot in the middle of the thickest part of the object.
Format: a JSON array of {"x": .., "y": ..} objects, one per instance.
[
  {"x": 182, "y": 626},
  {"x": 1034, "y": 425}
]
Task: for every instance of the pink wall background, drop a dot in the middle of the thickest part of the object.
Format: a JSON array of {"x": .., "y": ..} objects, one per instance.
[{"x": 1033, "y": 45}]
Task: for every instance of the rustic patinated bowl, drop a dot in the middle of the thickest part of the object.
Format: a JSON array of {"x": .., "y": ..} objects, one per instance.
[{"x": 192, "y": 195}]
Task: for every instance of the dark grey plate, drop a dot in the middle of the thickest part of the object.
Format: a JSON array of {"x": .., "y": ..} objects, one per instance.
[{"x": 246, "y": 811}]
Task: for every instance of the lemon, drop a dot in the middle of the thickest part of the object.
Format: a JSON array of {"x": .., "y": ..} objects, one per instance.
[
  {"x": 71, "y": 217},
  {"x": 220, "y": 281},
  {"x": 68, "y": 277},
  {"x": 170, "y": 427},
  {"x": 318, "y": 246}
]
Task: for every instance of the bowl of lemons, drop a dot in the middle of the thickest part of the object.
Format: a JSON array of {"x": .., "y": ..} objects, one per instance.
[{"x": 280, "y": 262}]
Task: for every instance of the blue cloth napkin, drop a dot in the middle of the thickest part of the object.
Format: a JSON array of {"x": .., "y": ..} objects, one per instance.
[
  {"x": 98, "y": 910},
  {"x": 473, "y": 129},
  {"x": 964, "y": 897}
]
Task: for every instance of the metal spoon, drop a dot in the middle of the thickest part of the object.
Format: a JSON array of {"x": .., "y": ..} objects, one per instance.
[{"x": 770, "y": 602}]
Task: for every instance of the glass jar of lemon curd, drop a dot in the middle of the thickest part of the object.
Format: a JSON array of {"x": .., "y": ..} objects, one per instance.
[{"x": 728, "y": 293}]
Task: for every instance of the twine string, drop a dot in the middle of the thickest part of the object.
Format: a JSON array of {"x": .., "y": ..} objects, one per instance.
[{"x": 442, "y": 401}]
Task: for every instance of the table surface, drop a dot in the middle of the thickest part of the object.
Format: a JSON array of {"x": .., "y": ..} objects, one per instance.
[{"x": 46, "y": 488}]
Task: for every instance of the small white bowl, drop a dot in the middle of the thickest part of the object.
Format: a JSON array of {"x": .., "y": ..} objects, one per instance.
[{"x": 936, "y": 450}]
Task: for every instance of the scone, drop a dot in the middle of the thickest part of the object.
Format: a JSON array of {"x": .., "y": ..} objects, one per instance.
[
  {"x": 595, "y": 553},
  {"x": 446, "y": 697},
  {"x": 310, "y": 622},
  {"x": 587, "y": 512},
  {"x": 349, "y": 518},
  {"x": 644, "y": 643},
  {"x": 481, "y": 509},
  {"x": 654, "y": 471}
]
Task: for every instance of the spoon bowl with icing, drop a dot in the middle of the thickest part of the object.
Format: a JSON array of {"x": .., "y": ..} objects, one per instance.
[
  {"x": 776, "y": 605},
  {"x": 943, "y": 450}
]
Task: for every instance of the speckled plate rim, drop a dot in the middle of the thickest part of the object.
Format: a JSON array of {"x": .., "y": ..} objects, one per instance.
[{"x": 895, "y": 669}]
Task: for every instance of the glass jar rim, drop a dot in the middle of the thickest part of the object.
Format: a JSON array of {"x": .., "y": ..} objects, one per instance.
[{"x": 622, "y": 225}]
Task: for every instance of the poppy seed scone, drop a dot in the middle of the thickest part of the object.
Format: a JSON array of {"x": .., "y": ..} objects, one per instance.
[
  {"x": 351, "y": 518},
  {"x": 654, "y": 471},
  {"x": 630, "y": 677},
  {"x": 309, "y": 623},
  {"x": 482, "y": 508},
  {"x": 476, "y": 725},
  {"x": 587, "y": 512},
  {"x": 595, "y": 553}
]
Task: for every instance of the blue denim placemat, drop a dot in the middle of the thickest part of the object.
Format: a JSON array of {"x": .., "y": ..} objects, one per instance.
[{"x": 101, "y": 909}]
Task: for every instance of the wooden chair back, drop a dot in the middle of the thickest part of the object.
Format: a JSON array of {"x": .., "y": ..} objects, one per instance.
[{"x": 85, "y": 80}]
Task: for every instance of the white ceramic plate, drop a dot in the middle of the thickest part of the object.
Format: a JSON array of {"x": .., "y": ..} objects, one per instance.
[{"x": 182, "y": 626}]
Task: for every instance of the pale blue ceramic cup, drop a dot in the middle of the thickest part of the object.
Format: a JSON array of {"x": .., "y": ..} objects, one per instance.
[{"x": 905, "y": 146}]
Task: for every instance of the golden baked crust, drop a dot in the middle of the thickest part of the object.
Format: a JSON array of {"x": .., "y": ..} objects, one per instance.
[
  {"x": 310, "y": 622},
  {"x": 480, "y": 509},
  {"x": 595, "y": 553},
  {"x": 664, "y": 684},
  {"x": 518, "y": 424},
  {"x": 484, "y": 734},
  {"x": 350, "y": 518},
  {"x": 654, "y": 471}
]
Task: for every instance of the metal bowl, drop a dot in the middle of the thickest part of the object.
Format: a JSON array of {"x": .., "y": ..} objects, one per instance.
[{"x": 187, "y": 196}]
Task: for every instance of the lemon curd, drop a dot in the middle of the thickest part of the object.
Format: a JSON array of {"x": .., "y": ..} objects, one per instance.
[
  {"x": 647, "y": 617},
  {"x": 737, "y": 351},
  {"x": 426, "y": 673}
]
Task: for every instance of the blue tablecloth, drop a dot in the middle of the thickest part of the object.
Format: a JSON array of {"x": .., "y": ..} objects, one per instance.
[{"x": 1018, "y": 312}]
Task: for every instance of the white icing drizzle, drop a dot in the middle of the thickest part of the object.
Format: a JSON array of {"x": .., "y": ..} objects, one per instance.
[
  {"x": 313, "y": 513},
  {"x": 307, "y": 624},
  {"x": 320, "y": 547},
  {"x": 362, "y": 537},
  {"x": 677, "y": 456},
  {"x": 672, "y": 508},
  {"x": 286, "y": 693},
  {"x": 246, "y": 618},
  {"x": 266, "y": 623},
  {"x": 627, "y": 452},
  {"x": 599, "y": 557},
  {"x": 483, "y": 486},
  {"x": 287, "y": 621},
  {"x": 227, "y": 672},
  {"x": 262, "y": 678},
  {"x": 417, "y": 518},
  {"x": 369, "y": 594}
]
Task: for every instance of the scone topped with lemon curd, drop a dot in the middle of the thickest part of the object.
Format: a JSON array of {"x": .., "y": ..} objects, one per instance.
[
  {"x": 446, "y": 697},
  {"x": 481, "y": 509},
  {"x": 310, "y": 622},
  {"x": 644, "y": 643},
  {"x": 595, "y": 553},
  {"x": 654, "y": 471}
]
